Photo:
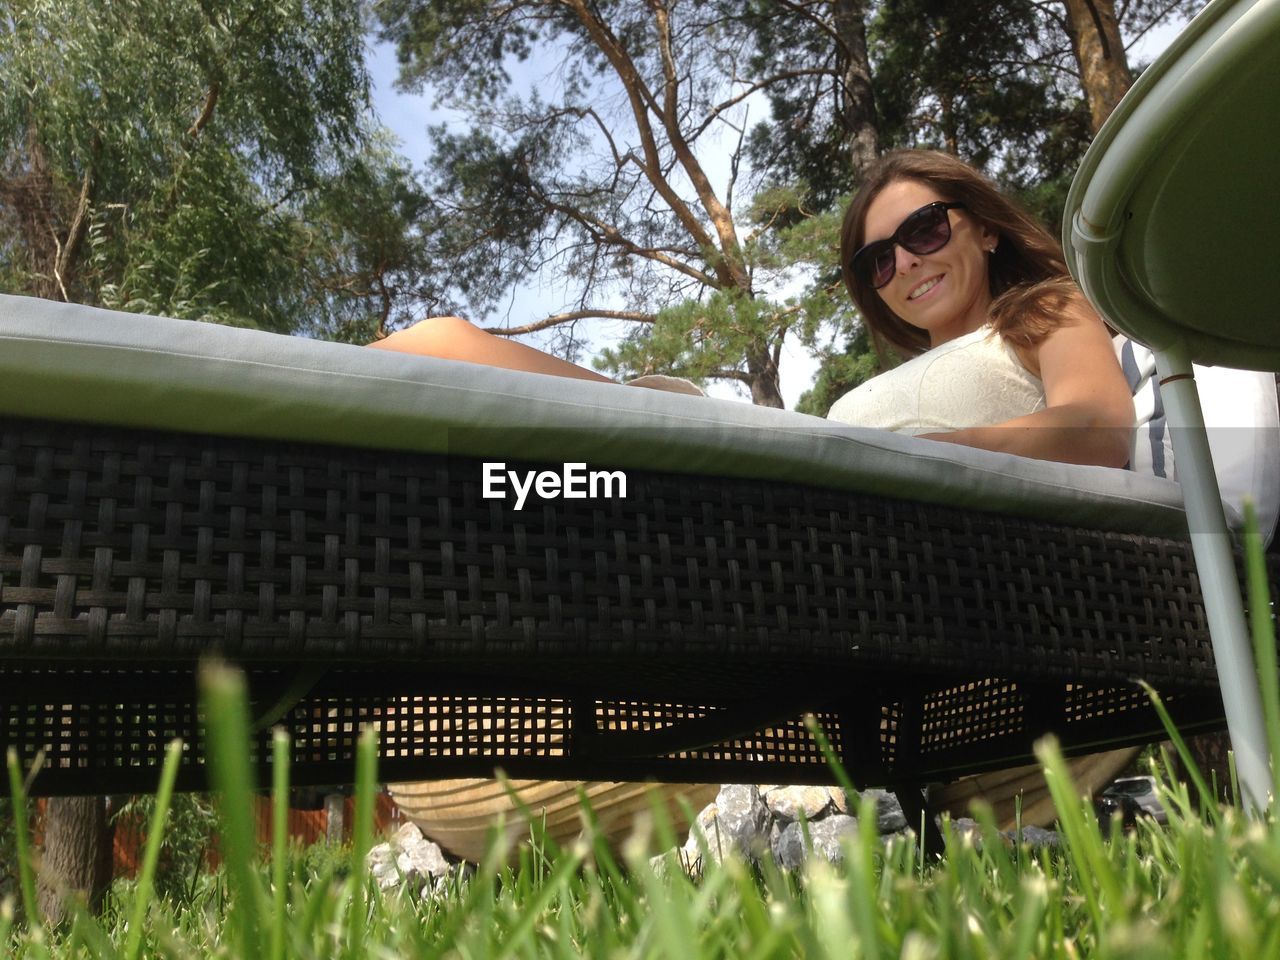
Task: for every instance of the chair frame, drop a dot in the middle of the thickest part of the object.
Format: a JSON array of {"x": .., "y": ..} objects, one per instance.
[{"x": 680, "y": 634}]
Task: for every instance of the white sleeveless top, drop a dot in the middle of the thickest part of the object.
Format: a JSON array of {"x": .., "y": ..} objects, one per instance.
[{"x": 972, "y": 381}]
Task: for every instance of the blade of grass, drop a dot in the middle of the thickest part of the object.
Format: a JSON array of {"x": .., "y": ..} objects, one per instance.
[
  {"x": 22, "y": 840},
  {"x": 664, "y": 830},
  {"x": 87, "y": 929},
  {"x": 6, "y": 920},
  {"x": 223, "y": 696},
  {"x": 362, "y": 836},
  {"x": 315, "y": 902},
  {"x": 861, "y": 896},
  {"x": 1032, "y": 903},
  {"x": 605, "y": 861},
  {"x": 279, "y": 838},
  {"x": 993, "y": 848},
  {"x": 1084, "y": 846},
  {"x": 1264, "y": 638},
  {"x": 1236, "y": 802},
  {"x": 674, "y": 931},
  {"x": 520, "y": 936},
  {"x": 1207, "y": 801},
  {"x": 151, "y": 855}
]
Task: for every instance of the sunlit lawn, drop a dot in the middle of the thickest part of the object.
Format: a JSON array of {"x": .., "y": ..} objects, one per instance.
[{"x": 1206, "y": 885}]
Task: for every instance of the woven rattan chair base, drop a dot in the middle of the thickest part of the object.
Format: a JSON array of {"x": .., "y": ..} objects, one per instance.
[
  {"x": 678, "y": 634},
  {"x": 111, "y": 733}
]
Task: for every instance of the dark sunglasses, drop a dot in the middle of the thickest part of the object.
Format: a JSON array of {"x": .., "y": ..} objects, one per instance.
[{"x": 924, "y": 231}]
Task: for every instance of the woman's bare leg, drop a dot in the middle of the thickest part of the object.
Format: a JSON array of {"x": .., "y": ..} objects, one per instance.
[{"x": 452, "y": 338}]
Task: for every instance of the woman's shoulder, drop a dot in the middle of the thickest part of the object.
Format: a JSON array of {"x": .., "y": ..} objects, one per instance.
[
  {"x": 1027, "y": 319},
  {"x": 1026, "y": 314}
]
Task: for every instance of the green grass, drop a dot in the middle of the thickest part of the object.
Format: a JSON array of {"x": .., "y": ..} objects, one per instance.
[{"x": 1207, "y": 885}]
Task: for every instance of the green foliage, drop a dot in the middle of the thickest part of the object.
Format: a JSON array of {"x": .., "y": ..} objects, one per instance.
[
  {"x": 804, "y": 141},
  {"x": 985, "y": 81},
  {"x": 188, "y": 838},
  {"x": 323, "y": 859},
  {"x": 9, "y": 878},
  {"x": 175, "y": 158},
  {"x": 594, "y": 177},
  {"x": 364, "y": 264}
]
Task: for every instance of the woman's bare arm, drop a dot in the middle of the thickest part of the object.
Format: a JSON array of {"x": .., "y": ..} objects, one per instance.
[{"x": 1088, "y": 416}]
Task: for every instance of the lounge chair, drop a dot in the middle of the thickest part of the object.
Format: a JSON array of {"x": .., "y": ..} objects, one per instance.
[{"x": 316, "y": 513}]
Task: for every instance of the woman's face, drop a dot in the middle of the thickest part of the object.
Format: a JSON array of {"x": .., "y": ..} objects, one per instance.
[{"x": 944, "y": 293}]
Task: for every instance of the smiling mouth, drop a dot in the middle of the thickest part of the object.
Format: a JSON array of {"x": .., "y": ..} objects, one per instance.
[{"x": 925, "y": 287}]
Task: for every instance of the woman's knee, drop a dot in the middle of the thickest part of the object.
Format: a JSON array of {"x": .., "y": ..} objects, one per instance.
[{"x": 447, "y": 337}]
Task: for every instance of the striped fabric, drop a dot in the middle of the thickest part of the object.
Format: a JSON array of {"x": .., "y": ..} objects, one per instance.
[
  {"x": 1241, "y": 416},
  {"x": 1152, "y": 448}
]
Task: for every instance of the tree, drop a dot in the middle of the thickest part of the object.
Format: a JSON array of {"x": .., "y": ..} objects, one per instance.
[
  {"x": 1094, "y": 30},
  {"x": 77, "y": 855},
  {"x": 204, "y": 160},
  {"x": 363, "y": 263},
  {"x": 168, "y": 157},
  {"x": 824, "y": 128},
  {"x": 600, "y": 175}
]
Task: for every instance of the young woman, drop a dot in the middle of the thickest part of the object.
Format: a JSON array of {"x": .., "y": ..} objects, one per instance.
[{"x": 1006, "y": 354}]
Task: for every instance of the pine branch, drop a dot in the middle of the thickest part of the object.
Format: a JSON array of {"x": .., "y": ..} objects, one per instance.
[
  {"x": 753, "y": 88},
  {"x": 641, "y": 100},
  {"x": 720, "y": 216},
  {"x": 559, "y": 318}
]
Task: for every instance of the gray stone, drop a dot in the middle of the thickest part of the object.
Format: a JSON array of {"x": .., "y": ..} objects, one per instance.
[
  {"x": 788, "y": 803},
  {"x": 1035, "y": 836},
  {"x": 788, "y": 844},
  {"x": 737, "y": 822},
  {"x": 889, "y": 815},
  {"x": 828, "y": 834},
  {"x": 753, "y": 821},
  {"x": 1032, "y": 836},
  {"x": 706, "y": 826},
  {"x": 742, "y": 817},
  {"x": 407, "y": 859}
]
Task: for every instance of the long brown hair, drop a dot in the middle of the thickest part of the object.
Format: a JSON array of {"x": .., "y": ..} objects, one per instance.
[{"x": 1027, "y": 272}]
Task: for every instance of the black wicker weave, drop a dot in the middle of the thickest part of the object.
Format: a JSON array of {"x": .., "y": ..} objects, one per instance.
[{"x": 680, "y": 633}]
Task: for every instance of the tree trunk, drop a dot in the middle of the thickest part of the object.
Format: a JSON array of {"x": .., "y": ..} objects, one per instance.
[
  {"x": 765, "y": 391},
  {"x": 77, "y": 855},
  {"x": 858, "y": 106},
  {"x": 950, "y": 135},
  {"x": 1104, "y": 68},
  {"x": 334, "y": 809}
]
